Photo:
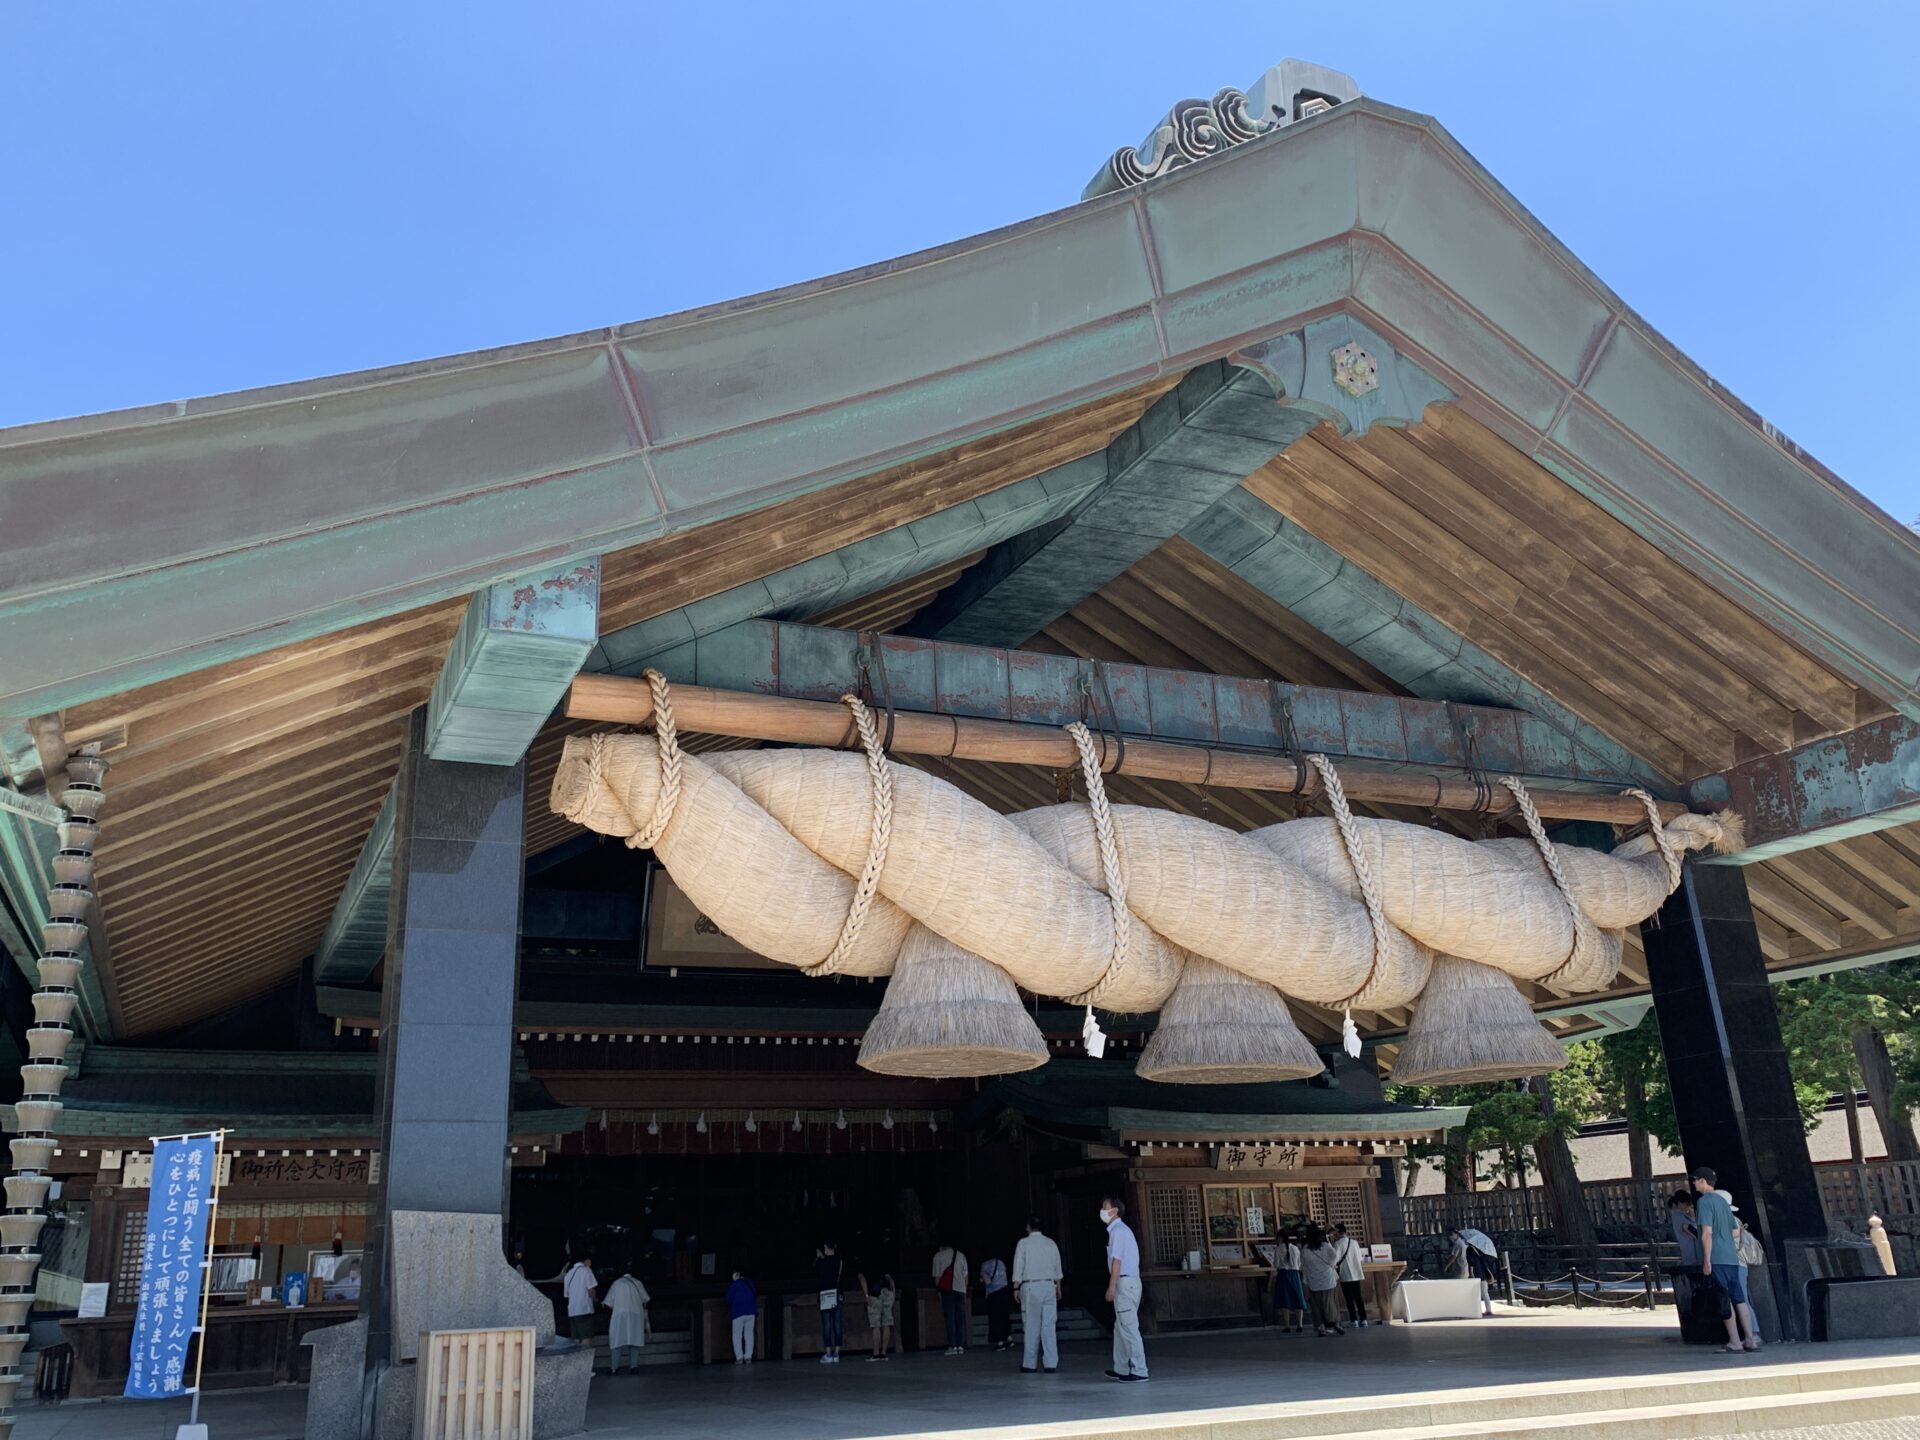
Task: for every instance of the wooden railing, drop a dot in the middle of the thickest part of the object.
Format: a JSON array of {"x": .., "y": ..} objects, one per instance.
[{"x": 1887, "y": 1188}]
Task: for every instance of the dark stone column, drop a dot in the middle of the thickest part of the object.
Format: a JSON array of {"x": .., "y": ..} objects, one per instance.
[
  {"x": 446, "y": 1013},
  {"x": 1732, "y": 1089}
]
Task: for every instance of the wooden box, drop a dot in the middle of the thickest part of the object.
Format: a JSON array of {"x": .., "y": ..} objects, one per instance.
[{"x": 474, "y": 1385}]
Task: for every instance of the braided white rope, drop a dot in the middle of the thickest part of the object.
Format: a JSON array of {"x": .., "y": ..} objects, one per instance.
[
  {"x": 669, "y": 797},
  {"x": 1583, "y": 928},
  {"x": 1369, "y": 892},
  {"x": 880, "y": 774},
  {"x": 1669, "y": 852},
  {"x": 1110, "y": 869}
]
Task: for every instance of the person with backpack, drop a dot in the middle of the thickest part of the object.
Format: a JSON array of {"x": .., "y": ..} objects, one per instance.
[
  {"x": 1350, "y": 1264},
  {"x": 827, "y": 1271},
  {"x": 950, "y": 1279}
]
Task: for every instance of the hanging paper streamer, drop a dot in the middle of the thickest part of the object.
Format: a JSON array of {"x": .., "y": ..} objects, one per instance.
[
  {"x": 1349, "y": 1035},
  {"x": 1092, "y": 1036}
]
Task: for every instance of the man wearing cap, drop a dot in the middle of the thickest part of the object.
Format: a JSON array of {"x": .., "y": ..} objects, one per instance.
[{"x": 1720, "y": 1258}]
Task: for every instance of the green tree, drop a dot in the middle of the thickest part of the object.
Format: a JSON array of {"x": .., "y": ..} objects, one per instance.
[
  {"x": 1511, "y": 1128},
  {"x": 1857, "y": 1029}
]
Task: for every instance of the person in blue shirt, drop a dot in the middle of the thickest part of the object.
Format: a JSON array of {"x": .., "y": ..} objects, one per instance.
[
  {"x": 1123, "y": 1292},
  {"x": 743, "y": 1304},
  {"x": 1720, "y": 1259}
]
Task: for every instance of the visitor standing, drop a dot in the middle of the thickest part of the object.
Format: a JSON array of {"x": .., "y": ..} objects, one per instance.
[
  {"x": 1289, "y": 1296},
  {"x": 1123, "y": 1292},
  {"x": 950, "y": 1279},
  {"x": 628, "y": 1299},
  {"x": 1720, "y": 1259},
  {"x": 1037, "y": 1276},
  {"x": 1320, "y": 1272},
  {"x": 1686, "y": 1234},
  {"x": 881, "y": 1296},
  {"x": 743, "y": 1305},
  {"x": 997, "y": 1287},
  {"x": 827, "y": 1270},
  {"x": 1353, "y": 1275},
  {"x": 581, "y": 1291}
]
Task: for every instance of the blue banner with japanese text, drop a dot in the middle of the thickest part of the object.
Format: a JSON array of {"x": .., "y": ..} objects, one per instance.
[{"x": 178, "y": 1213}]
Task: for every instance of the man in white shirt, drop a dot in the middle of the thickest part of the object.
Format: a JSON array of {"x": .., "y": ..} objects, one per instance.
[
  {"x": 581, "y": 1292},
  {"x": 1036, "y": 1280},
  {"x": 950, "y": 1279},
  {"x": 1123, "y": 1292}
]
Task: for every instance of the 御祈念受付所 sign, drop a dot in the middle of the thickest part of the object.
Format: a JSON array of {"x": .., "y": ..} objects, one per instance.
[{"x": 178, "y": 1213}]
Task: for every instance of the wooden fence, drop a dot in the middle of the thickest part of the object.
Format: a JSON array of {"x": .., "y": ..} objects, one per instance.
[{"x": 1889, "y": 1189}]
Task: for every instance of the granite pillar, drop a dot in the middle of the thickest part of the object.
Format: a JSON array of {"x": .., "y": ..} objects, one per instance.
[
  {"x": 1732, "y": 1088},
  {"x": 446, "y": 1017}
]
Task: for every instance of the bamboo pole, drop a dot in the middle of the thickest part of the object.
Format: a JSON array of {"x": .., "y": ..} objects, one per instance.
[{"x": 619, "y": 700}]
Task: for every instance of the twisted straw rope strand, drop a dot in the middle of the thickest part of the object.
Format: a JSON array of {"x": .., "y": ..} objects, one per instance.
[
  {"x": 1362, "y": 870},
  {"x": 879, "y": 836},
  {"x": 1110, "y": 867}
]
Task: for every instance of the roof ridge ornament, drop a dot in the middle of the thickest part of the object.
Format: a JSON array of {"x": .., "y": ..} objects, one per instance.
[{"x": 1192, "y": 130}]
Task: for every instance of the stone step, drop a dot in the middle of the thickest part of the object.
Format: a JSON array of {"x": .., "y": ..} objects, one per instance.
[
  {"x": 1072, "y": 1323},
  {"x": 1681, "y": 1420},
  {"x": 1744, "y": 1399},
  {"x": 663, "y": 1347}
]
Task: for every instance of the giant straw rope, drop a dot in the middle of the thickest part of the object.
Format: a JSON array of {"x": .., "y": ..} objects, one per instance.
[{"x": 823, "y": 859}]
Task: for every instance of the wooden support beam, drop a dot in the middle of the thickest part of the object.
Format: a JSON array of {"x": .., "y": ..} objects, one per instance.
[
  {"x": 1846, "y": 785},
  {"x": 616, "y": 700},
  {"x": 356, "y": 936}
]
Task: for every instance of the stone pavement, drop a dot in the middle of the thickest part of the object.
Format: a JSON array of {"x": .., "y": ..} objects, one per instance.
[
  {"x": 803, "y": 1400},
  {"x": 1854, "y": 1430}
]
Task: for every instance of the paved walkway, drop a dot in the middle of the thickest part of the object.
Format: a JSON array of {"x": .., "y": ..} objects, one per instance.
[{"x": 855, "y": 1400}]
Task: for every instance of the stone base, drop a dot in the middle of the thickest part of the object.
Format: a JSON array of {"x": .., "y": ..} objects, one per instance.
[
  {"x": 333, "y": 1394},
  {"x": 1865, "y": 1307},
  {"x": 1811, "y": 1260},
  {"x": 447, "y": 1274}
]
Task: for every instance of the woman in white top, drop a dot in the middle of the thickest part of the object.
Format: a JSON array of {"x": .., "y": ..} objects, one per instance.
[
  {"x": 1319, "y": 1269},
  {"x": 1346, "y": 1252},
  {"x": 627, "y": 1298}
]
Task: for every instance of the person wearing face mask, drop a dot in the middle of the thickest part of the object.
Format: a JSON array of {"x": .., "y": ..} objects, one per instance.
[{"x": 1123, "y": 1292}]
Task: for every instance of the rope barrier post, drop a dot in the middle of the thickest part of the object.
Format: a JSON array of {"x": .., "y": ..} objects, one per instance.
[
  {"x": 1506, "y": 1264},
  {"x": 1646, "y": 1274},
  {"x": 1573, "y": 1278}
]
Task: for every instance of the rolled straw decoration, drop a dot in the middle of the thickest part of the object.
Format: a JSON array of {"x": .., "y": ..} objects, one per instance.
[
  {"x": 1471, "y": 1025},
  {"x": 949, "y": 1013},
  {"x": 812, "y": 856},
  {"x": 1220, "y": 1028}
]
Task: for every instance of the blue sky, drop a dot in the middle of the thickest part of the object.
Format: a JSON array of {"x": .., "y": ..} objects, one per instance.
[{"x": 202, "y": 197}]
